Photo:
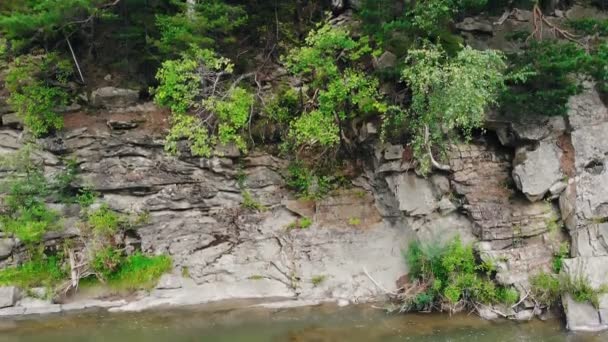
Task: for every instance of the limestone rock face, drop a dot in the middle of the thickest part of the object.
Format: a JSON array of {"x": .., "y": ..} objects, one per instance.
[
  {"x": 414, "y": 194},
  {"x": 111, "y": 97},
  {"x": 9, "y": 295},
  {"x": 583, "y": 316},
  {"x": 535, "y": 172},
  {"x": 585, "y": 201}
]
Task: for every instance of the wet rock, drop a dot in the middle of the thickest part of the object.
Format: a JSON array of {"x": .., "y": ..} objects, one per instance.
[
  {"x": 536, "y": 171},
  {"x": 9, "y": 295},
  {"x": 111, "y": 97},
  {"x": 487, "y": 313}
]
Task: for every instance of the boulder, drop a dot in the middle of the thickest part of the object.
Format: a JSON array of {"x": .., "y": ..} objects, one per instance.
[
  {"x": 9, "y": 295},
  {"x": 12, "y": 120},
  {"x": 536, "y": 171},
  {"x": 111, "y": 97},
  {"x": 6, "y": 248},
  {"x": 475, "y": 25},
  {"x": 393, "y": 152},
  {"x": 121, "y": 124},
  {"x": 386, "y": 60},
  {"x": 414, "y": 194},
  {"x": 583, "y": 316}
]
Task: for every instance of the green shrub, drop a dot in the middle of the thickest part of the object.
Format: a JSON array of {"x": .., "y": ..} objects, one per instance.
[
  {"x": 105, "y": 262},
  {"x": 138, "y": 271},
  {"x": 40, "y": 271},
  {"x": 336, "y": 86},
  {"x": 589, "y": 26},
  {"x": 306, "y": 183},
  {"x": 31, "y": 81},
  {"x": 301, "y": 223},
  {"x": 202, "y": 26},
  {"x": 29, "y": 224},
  {"x": 559, "y": 256},
  {"x": 546, "y": 288},
  {"x": 227, "y": 107},
  {"x": 550, "y": 66},
  {"x": 104, "y": 222},
  {"x": 451, "y": 274}
]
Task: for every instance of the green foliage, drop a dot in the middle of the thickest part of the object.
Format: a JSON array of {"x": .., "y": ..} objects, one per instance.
[
  {"x": 546, "y": 288},
  {"x": 29, "y": 20},
  {"x": 338, "y": 93},
  {"x": 452, "y": 274},
  {"x": 590, "y": 26},
  {"x": 42, "y": 270},
  {"x": 449, "y": 94},
  {"x": 559, "y": 256},
  {"x": 201, "y": 26},
  {"x": 306, "y": 183},
  {"x": 318, "y": 280},
  {"x": 138, "y": 271},
  {"x": 397, "y": 29},
  {"x": 29, "y": 224},
  {"x": 105, "y": 262},
  {"x": 179, "y": 89},
  {"x": 301, "y": 223},
  {"x": 104, "y": 222},
  {"x": 551, "y": 67},
  {"x": 33, "y": 94}
]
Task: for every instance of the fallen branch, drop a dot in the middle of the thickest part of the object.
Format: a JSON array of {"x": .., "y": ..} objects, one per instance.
[{"x": 378, "y": 285}]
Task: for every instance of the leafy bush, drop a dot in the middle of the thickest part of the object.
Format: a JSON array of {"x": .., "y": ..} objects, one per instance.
[
  {"x": 29, "y": 20},
  {"x": 336, "y": 94},
  {"x": 306, "y": 183},
  {"x": 31, "y": 81},
  {"x": 29, "y": 224},
  {"x": 220, "y": 116},
  {"x": 200, "y": 25},
  {"x": 451, "y": 274},
  {"x": 551, "y": 67},
  {"x": 590, "y": 26},
  {"x": 449, "y": 94},
  {"x": 40, "y": 271},
  {"x": 106, "y": 261},
  {"x": 104, "y": 222}
]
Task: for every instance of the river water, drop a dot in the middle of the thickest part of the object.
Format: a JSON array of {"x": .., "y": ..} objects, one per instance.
[{"x": 323, "y": 324}]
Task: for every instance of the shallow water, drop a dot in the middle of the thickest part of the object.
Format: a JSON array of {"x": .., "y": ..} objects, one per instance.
[{"x": 325, "y": 323}]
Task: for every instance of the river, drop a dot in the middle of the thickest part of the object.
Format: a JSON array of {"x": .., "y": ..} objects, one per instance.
[{"x": 321, "y": 323}]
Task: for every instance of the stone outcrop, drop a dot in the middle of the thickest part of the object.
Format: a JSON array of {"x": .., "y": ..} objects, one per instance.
[
  {"x": 9, "y": 295},
  {"x": 111, "y": 97},
  {"x": 537, "y": 171}
]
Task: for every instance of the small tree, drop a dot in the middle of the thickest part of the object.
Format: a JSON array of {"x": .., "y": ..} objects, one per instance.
[
  {"x": 336, "y": 88},
  {"x": 449, "y": 94},
  {"x": 207, "y": 107}
]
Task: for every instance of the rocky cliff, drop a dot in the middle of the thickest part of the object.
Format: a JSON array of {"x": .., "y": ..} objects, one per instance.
[{"x": 509, "y": 192}]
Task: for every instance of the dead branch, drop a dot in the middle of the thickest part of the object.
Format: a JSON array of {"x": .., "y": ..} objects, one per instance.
[
  {"x": 378, "y": 285},
  {"x": 435, "y": 164}
]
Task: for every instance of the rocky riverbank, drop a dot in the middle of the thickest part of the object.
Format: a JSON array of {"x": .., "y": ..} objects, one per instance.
[{"x": 507, "y": 195}]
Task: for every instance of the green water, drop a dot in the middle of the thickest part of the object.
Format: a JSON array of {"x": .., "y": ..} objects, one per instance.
[{"x": 324, "y": 324}]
